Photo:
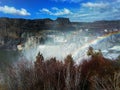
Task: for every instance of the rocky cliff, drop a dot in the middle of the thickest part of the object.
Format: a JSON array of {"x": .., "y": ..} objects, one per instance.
[{"x": 15, "y": 31}]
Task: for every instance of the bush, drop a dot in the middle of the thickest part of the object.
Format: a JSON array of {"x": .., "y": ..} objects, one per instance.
[{"x": 98, "y": 73}]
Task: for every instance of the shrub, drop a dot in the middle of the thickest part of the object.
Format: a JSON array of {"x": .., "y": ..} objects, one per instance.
[{"x": 98, "y": 73}]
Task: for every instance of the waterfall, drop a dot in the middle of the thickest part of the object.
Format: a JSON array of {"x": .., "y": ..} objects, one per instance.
[{"x": 60, "y": 44}]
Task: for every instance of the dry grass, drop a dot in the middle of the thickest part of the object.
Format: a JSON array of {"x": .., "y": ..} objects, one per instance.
[{"x": 95, "y": 74}]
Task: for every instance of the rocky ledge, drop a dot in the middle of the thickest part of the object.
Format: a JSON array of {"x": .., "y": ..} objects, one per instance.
[{"x": 15, "y": 31}]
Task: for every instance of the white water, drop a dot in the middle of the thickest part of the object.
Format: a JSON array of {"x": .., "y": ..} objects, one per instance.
[{"x": 75, "y": 43}]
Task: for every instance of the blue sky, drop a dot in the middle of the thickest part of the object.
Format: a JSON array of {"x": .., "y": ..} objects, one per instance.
[{"x": 76, "y": 10}]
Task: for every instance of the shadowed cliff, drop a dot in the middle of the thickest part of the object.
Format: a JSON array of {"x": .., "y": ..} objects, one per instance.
[{"x": 16, "y": 31}]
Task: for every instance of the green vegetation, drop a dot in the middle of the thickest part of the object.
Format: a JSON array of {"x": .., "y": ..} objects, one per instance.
[{"x": 98, "y": 73}]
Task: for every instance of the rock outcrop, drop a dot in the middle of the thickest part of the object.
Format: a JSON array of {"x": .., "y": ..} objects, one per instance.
[{"x": 15, "y": 31}]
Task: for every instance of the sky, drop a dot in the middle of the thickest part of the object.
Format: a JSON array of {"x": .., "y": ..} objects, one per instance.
[{"x": 75, "y": 10}]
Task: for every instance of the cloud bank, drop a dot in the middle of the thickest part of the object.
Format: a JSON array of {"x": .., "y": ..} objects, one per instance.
[
  {"x": 87, "y": 11},
  {"x": 12, "y": 10},
  {"x": 56, "y": 11},
  {"x": 94, "y": 11},
  {"x": 95, "y": 5}
]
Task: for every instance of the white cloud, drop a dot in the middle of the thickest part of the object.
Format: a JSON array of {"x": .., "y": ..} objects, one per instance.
[
  {"x": 45, "y": 10},
  {"x": 14, "y": 11},
  {"x": 55, "y": 8},
  {"x": 95, "y": 5},
  {"x": 90, "y": 11},
  {"x": 63, "y": 12},
  {"x": 100, "y": 11},
  {"x": 56, "y": 12}
]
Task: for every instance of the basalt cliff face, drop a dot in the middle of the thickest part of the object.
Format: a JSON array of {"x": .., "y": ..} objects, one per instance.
[{"x": 16, "y": 31}]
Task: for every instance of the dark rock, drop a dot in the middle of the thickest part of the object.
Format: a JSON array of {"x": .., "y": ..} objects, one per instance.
[{"x": 15, "y": 31}]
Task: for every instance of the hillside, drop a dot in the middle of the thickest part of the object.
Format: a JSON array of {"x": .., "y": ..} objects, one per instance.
[{"x": 15, "y": 31}]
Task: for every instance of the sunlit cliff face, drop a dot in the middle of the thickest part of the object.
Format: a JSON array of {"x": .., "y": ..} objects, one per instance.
[{"x": 59, "y": 44}]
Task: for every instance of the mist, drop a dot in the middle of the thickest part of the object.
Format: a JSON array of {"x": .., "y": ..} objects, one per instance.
[{"x": 59, "y": 44}]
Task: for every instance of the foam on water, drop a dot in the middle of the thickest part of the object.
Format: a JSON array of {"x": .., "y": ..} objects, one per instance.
[{"x": 70, "y": 43}]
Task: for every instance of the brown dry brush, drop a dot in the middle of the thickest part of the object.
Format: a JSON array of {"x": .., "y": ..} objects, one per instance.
[{"x": 98, "y": 73}]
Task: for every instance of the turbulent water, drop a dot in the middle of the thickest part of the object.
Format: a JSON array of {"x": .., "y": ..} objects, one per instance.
[{"x": 59, "y": 44}]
